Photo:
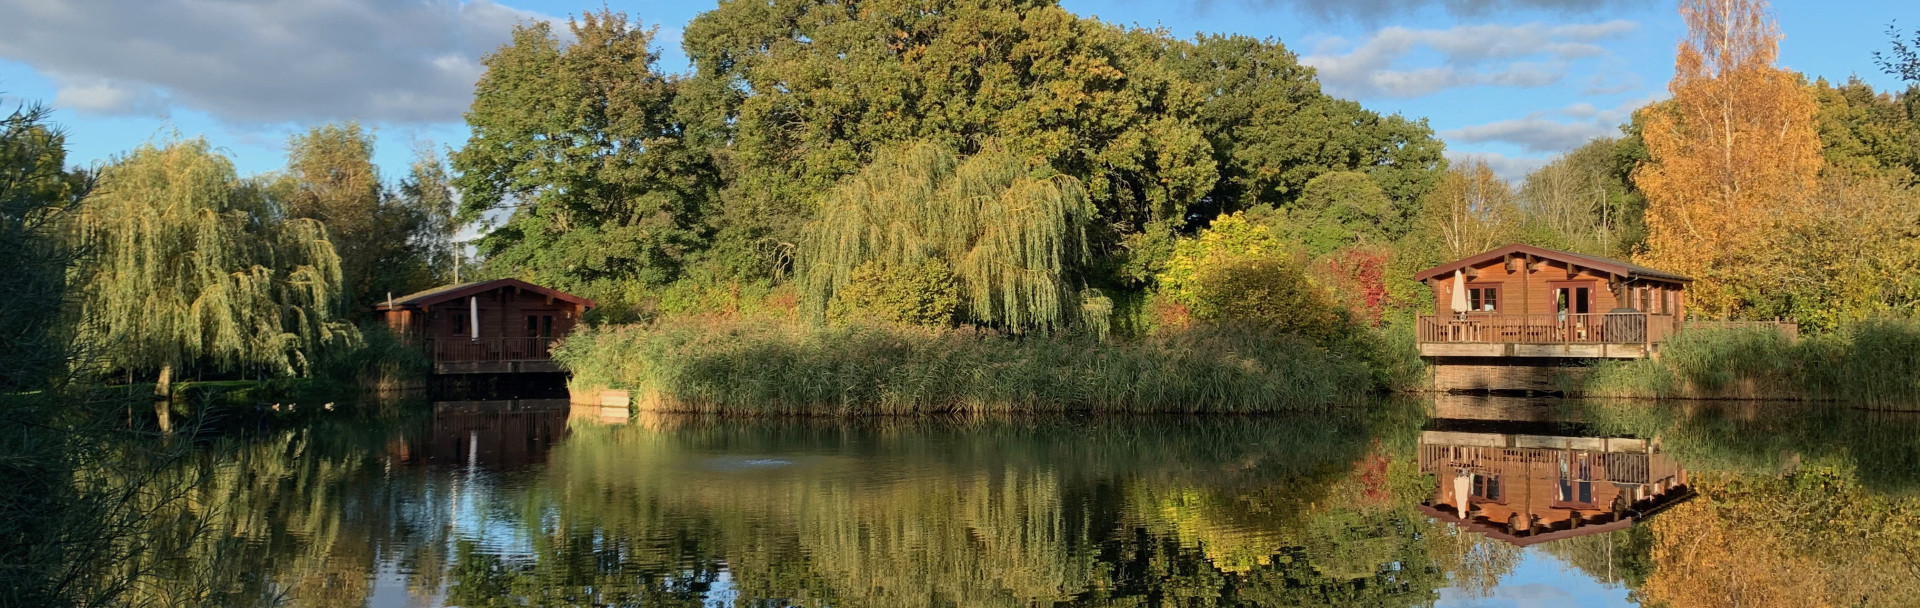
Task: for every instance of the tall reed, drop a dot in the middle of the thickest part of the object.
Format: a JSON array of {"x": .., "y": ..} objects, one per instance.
[
  {"x": 771, "y": 367},
  {"x": 1872, "y": 364}
]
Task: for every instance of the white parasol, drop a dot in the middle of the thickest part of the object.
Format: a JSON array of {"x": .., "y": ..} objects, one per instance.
[{"x": 1459, "y": 291}]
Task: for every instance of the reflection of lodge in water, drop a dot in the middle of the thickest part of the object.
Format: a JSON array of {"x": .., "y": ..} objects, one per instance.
[
  {"x": 490, "y": 434},
  {"x": 1528, "y": 483}
]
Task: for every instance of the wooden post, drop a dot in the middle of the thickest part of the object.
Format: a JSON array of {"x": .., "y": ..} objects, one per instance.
[{"x": 1526, "y": 286}]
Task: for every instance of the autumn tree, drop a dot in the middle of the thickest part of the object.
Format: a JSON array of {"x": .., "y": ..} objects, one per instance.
[{"x": 1733, "y": 155}]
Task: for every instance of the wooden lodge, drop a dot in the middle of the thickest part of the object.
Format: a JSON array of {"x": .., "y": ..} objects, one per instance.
[
  {"x": 1528, "y": 483},
  {"x": 502, "y": 326},
  {"x": 1504, "y": 319}
]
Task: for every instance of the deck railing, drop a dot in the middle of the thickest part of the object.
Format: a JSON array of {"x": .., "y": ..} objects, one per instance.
[
  {"x": 490, "y": 349},
  {"x": 1548, "y": 328}
]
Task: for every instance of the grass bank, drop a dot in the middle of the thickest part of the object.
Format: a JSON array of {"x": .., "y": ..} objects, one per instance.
[
  {"x": 758, "y": 367},
  {"x": 1874, "y": 364}
]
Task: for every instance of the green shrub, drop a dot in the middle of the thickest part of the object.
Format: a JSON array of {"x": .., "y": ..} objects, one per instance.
[
  {"x": 918, "y": 294},
  {"x": 1271, "y": 291},
  {"x": 751, "y": 366}
]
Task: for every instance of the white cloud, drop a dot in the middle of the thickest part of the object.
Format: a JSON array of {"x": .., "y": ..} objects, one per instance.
[
  {"x": 402, "y": 61},
  {"x": 1530, "y": 55},
  {"x": 1514, "y": 169},
  {"x": 1540, "y": 133}
]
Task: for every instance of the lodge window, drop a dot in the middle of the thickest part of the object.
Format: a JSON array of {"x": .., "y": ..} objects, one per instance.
[
  {"x": 1487, "y": 488},
  {"x": 459, "y": 323},
  {"x": 1483, "y": 299},
  {"x": 539, "y": 326}
]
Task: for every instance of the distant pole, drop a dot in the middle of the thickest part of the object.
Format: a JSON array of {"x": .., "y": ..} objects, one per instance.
[{"x": 456, "y": 262}]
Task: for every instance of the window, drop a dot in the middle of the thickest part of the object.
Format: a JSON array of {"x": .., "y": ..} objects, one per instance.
[
  {"x": 539, "y": 326},
  {"x": 459, "y": 323},
  {"x": 1486, "y": 488},
  {"x": 1483, "y": 299}
]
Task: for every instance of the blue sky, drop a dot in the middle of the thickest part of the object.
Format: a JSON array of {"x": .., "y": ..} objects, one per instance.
[{"x": 1514, "y": 81}]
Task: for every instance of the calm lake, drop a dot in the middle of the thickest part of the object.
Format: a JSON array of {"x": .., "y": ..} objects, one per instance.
[{"x": 1455, "y": 502}]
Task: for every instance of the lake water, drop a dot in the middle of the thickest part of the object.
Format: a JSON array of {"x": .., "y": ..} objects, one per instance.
[{"x": 1459, "y": 502}]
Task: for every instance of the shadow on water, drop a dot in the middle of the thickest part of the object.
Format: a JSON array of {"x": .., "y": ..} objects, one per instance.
[{"x": 479, "y": 502}]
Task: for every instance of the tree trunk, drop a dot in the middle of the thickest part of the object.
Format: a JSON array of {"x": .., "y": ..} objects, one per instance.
[{"x": 163, "y": 399}]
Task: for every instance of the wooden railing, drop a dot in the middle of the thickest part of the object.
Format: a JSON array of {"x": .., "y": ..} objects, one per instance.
[
  {"x": 490, "y": 349},
  {"x": 1620, "y": 467},
  {"x": 1549, "y": 328}
]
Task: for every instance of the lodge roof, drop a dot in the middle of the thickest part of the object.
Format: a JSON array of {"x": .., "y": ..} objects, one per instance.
[
  {"x": 423, "y": 299},
  {"x": 1606, "y": 265}
]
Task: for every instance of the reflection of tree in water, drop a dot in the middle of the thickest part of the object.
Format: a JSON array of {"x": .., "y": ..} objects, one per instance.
[{"x": 1474, "y": 563}]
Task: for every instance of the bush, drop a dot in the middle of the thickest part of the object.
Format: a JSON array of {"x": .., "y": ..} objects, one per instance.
[
  {"x": 1269, "y": 291},
  {"x": 766, "y": 367},
  {"x": 919, "y": 294},
  {"x": 1874, "y": 364}
]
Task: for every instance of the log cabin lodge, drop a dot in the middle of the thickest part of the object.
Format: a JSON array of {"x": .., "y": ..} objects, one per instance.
[
  {"x": 502, "y": 326},
  {"x": 1503, "y": 318}
]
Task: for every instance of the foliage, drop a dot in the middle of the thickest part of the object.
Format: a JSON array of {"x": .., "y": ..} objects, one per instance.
[
  {"x": 428, "y": 193},
  {"x": 331, "y": 179},
  {"x": 1875, "y": 363},
  {"x": 582, "y": 143},
  {"x": 37, "y": 198},
  {"x": 1732, "y": 156},
  {"x": 761, "y": 367},
  {"x": 918, "y": 294},
  {"x": 1794, "y": 540},
  {"x": 1015, "y": 242},
  {"x": 1273, "y": 133},
  {"x": 1270, "y": 292},
  {"x": 1584, "y": 201},
  {"x": 1229, "y": 237},
  {"x": 193, "y": 266},
  {"x": 1470, "y": 211},
  {"x": 1903, "y": 59},
  {"x": 1338, "y": 210}
]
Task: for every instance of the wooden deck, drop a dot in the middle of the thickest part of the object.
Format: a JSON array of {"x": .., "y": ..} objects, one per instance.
[
  {"x": 1630, "y": 335},
  {"x": 492, "y": 355}
]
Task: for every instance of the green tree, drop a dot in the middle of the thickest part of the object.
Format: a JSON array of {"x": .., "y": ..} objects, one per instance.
[
  {"x": 1338, "y": 210},
  {"x": 331, "y": 178},
  {"x": 800, "y": 93},
  {"x": 1272, "y": 131},
  {"x": 193, "y": 266},
  {"x": 580, "y": 143},
  {"x": 428, "y": 194},
  {"x": 1014, "y": 236},
  {"x": 37, "y": 197}
]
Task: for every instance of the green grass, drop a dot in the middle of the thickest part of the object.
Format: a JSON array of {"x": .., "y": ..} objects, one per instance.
[
  {"x": 1874, "y": 364},
  {"x": 750, "y": 366}
]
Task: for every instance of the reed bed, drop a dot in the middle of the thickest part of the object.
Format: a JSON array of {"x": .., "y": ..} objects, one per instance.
[
  {"x": 767, "y": 367},
  {"x": 1875, "y": 364}
]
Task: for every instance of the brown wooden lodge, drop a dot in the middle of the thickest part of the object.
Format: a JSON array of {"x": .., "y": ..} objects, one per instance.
[
  {"x": 1526, "y": 301},
  {"x": 487, "y": 327}
]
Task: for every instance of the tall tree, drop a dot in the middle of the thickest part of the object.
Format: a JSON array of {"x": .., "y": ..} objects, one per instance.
[
  {"x": 800, "y": 93},
  {"x": 331, "y": 178},
  {"x": 1471, "y": 210},
  {"x": 1585, "y": 201},
  {"x": 427, "y": 194},
  {"x": 1733, "y": 155},
  {"x": 37, "y": 196},
  {"x": 1272, "y": 130},
  {"x": 580, "y": 143},
  {"x": 193, "y": 266}
]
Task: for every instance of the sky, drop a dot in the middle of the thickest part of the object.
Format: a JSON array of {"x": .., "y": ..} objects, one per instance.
[{"x": 1511, "y": 81}]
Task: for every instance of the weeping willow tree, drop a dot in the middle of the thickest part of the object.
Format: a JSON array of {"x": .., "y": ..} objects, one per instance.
[
  {"x": 1014, "y": 237},
  {"x": 194, "y": 266}
]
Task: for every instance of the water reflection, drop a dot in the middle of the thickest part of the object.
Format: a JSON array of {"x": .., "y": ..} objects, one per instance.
[
  {"x": 535, "y": 503},
  {"x": 1528, "y": 474}
]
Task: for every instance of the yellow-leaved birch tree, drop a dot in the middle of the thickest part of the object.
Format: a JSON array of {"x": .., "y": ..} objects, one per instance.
[{"x": 1734, "y": 155}]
